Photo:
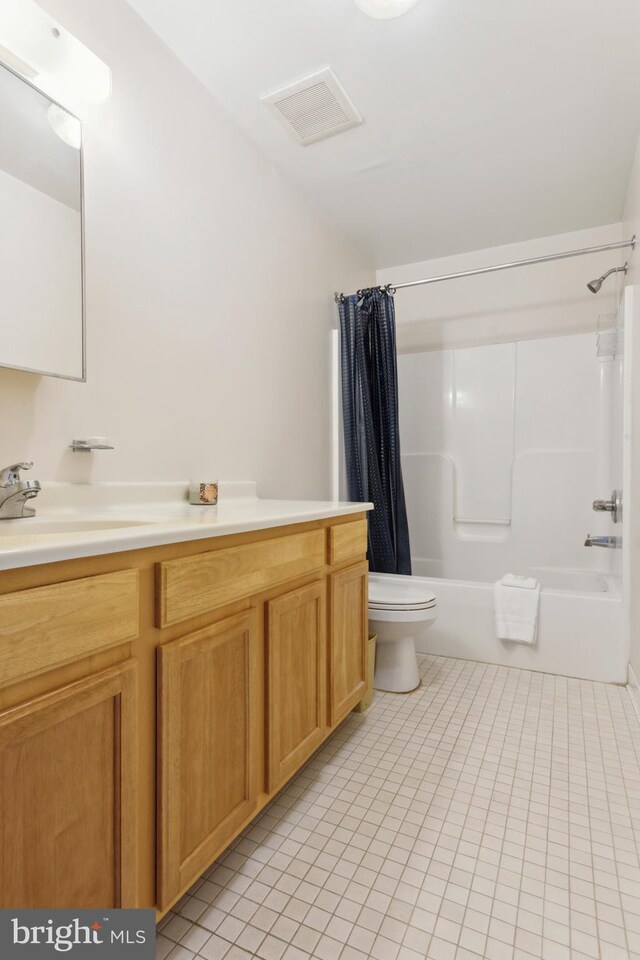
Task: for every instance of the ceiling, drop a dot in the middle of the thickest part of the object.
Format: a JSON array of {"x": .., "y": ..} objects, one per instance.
[{"x": 485, "y": 122}]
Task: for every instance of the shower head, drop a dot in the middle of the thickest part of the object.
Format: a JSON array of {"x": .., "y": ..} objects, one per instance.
[{"x": 594, "y": 285}]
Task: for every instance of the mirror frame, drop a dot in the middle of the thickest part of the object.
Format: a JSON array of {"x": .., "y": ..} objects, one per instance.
[{"x": 83, "y": 281}]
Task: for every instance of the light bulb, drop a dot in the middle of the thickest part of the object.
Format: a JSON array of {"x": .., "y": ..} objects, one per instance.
[{"x": 385, "y": 9}]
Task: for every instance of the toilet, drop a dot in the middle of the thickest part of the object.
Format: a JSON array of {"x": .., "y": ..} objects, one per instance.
[{"x": 399, "y": 608}]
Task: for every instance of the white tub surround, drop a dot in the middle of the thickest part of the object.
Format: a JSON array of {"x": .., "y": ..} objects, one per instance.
[
  {"x": 504, "y": 449},
  {"x": 82, "y": 520},
  {"x": 578, "y": 630}
]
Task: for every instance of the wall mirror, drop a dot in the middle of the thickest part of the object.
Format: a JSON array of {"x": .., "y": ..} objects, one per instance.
[{"x": 41, "y": 233}]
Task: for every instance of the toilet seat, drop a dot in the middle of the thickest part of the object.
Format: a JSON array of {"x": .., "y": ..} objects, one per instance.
[
  {"x": 399, "y": 593},
  {"x": 401, "y": 606}
]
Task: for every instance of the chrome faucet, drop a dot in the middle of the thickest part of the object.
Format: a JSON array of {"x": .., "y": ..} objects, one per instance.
[
  {"x": 15, "y": 492},
  {"x": 611, "y": 542}
]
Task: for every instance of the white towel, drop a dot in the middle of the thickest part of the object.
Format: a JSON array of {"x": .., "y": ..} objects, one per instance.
[
  {"x": 516, "y": 608},
  {"x": 516, "y": 580}
]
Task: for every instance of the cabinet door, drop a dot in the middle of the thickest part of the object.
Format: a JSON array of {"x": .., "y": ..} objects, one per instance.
[
  {"x": 67, "y": 796},
  {"x": 347, "y": 641},
  {"x": 296, "y": 678},
  {"x": 209, "y": 724}
]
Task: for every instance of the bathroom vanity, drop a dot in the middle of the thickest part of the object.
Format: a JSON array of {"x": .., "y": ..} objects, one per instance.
[{"x": 160, "y": 682}]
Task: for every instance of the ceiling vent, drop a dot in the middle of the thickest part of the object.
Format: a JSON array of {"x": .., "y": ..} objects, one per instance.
[{"x": 314, "y": 108}]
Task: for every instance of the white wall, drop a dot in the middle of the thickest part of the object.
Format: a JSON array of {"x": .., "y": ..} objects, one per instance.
[
  {"x": 548, "y": 299},
  {"x": 631, "y": 224},
  {"x": 209, "y": 292}
]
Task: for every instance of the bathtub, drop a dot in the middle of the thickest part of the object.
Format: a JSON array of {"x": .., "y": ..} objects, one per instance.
[{"x": 579, "y": 633}]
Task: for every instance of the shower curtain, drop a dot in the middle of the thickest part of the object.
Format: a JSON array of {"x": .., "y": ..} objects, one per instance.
[{"x": 370, "y": 415}]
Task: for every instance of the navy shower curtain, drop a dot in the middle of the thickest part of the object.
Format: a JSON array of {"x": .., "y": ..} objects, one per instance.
[{"x": 370, "y": 415}]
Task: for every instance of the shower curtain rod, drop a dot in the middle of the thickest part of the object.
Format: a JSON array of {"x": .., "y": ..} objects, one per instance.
[{"x": 392, "y": 287}]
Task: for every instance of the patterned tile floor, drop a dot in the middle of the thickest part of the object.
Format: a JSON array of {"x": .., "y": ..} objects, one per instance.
[{"x": 494, "y": 813}]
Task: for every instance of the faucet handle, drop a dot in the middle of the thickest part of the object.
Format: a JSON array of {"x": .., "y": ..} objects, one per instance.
[
  {"x": 612, "y": 506},
  {"x": 12, "y": 474}
]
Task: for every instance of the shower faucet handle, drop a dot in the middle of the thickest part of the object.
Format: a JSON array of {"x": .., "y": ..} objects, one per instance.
[
  {"x": 612, "y": 506},
  {"x": 604, "y": 505}
]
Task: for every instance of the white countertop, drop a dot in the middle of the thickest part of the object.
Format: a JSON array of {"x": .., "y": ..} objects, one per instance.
[{"x": 157, "y": 513}]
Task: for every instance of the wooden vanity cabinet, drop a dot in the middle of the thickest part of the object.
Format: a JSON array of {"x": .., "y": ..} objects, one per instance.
[
  {"x": 347, "y": 640},
  {"x": 68, "y": 813},
  {"x": 209, "y": 716},
  {"x": 152, "y": 702},
  {"x": 296, "y": 680}
]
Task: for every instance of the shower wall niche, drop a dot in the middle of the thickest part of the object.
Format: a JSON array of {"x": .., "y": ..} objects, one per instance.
[{"x": 504, "y": 448}]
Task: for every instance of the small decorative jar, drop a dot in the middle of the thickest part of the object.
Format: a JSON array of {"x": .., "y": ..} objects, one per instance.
[{"x": 203, "y": 492}]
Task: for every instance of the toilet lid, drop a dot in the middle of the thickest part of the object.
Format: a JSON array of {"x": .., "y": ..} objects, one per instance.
[{"x": 400, "y": 593}]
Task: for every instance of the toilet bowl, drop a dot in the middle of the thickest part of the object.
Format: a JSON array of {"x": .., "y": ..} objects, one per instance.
[{"x": 399, "y": 608}]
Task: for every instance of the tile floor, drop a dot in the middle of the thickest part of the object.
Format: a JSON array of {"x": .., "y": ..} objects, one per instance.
[{"x": 494, "y": 813}]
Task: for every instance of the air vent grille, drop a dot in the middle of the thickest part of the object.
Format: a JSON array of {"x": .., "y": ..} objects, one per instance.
[{"x": 314, "y": 108}]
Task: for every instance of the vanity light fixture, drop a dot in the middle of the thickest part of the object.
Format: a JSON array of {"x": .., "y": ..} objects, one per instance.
[
  {"x": 52, "y": 59},
  {"x": 68, "y": 127},
  {"x": 385, "y": 9}
]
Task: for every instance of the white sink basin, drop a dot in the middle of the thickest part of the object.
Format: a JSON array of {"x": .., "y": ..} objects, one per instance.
[{"x": 37, "y": 526}]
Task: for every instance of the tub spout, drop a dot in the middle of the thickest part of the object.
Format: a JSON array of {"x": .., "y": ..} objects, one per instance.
[{"x": 611, "y": 542}]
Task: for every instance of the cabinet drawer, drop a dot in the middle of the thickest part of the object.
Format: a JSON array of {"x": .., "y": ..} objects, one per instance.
[
  {"x": 195, "y": 585},
  {"x": 45, "y": 627},
  {"x": 348, "y": 541}
]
